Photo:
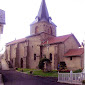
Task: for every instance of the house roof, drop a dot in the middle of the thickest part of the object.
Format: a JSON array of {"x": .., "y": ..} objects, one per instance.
[
  {"x": 59, "y": 39},
  {"x": 16, "y": 41},
  {"x": 74, "y": 52}
]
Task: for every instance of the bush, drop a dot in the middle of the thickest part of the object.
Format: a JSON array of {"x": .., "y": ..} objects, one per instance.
[
  {"x": 83, "y": 82},
  {"x": 62, "y": 65},
  {"x": 41, "y": 63},
  {"x": 77, "y": 71},
  {"x": 64, "y": 70}
]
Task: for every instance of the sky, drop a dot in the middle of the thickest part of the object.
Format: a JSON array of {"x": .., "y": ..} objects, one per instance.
[{"x": 68, "y": 15}]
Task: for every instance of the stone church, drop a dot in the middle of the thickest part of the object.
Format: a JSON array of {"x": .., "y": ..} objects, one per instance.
[{"x": 43, "y": 43}]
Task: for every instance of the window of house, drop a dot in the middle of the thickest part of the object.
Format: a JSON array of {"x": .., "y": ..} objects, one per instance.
[
  {"x": 71, "y": 58},
  {"x": 50, "y": 56},
  {"x": 34, "y": 56}
]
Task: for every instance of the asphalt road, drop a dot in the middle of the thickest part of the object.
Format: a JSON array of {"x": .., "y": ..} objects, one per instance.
[{"x": 17, "y": 78}]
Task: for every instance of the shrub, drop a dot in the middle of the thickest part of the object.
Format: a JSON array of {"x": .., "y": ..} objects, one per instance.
[
  {"x": 41, "y": 63},
  {"x": 77, "y": 71},
  {"x": 64, "y": 70},
  {"x": 83, "y": 81},
  {"x": 62, "y": 65}
]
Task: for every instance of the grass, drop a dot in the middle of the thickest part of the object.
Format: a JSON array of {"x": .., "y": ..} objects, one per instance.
[{"x": 37, "y": 72}]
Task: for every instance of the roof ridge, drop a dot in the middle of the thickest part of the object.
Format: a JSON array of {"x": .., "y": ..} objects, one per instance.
[
  {"x": 66, "y": 35},
  {"x": 15, "y": 40}
]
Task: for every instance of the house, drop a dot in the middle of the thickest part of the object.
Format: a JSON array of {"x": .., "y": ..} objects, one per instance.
[{"x": 43, "y": 43}]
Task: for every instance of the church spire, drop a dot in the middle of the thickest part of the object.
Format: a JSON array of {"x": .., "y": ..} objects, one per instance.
[{"x": 43, "y": 12}]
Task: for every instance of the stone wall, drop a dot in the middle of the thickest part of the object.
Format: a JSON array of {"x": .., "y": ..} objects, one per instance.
[
  {"x": 70, "y": 43},
  {"x": 34, "y": 50},
  {"x": 73, "y": 64},
  {"x": 46, "y": 50},
  {"x": 43, "y": 27}
]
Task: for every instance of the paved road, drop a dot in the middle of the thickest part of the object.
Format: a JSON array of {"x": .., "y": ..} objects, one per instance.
[{"x": 17, "y": 78}]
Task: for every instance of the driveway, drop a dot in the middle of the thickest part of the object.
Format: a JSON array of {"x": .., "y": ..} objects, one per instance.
[{"x": 17, "y": 78}]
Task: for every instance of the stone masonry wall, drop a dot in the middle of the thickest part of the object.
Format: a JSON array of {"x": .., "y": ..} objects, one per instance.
[
  {"x": 34, "y": 48},
  {"x": 70, "y": 43},
  {"x": 42, "y": 27},
  {"x": 46, "y": 50},
  {"x": 73, "y": 64}
]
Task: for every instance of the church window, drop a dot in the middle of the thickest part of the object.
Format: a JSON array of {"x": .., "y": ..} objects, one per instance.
[
  {"x": 21, "y": 62},
  {"x": 71, "y": 58},
  {"x": 34, "y": 56},
  {"x": 50, "y": 56},
  {"x": 36, "y": 29},
  {"x": 50, "y": 31}
]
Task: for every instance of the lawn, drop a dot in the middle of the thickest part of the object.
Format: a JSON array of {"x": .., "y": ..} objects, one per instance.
[{"x": 37, "y": 72}]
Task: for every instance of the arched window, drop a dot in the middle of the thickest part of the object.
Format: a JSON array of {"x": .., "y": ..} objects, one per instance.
[
  {"x": 36, "y": 29},
  {"x": 50, "y": 56},
  {"x": 50, "y": 31}
]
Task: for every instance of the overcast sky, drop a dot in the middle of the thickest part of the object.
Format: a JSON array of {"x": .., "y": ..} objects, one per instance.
[{"x": 68, "y": 15}]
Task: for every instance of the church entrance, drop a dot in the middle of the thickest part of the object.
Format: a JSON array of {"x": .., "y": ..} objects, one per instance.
[{"x": 21, "y": 62}]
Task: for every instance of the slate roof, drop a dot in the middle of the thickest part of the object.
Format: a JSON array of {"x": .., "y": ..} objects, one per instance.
[
  {"x": 59, "y": 39},
  {"x": 16, "y": 41},
  {"x": 74, "y": 52},
  {"x": 43, "y": 14}
]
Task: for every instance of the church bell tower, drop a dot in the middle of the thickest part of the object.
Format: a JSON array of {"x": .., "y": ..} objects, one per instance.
[{"x": 43, "y": 23}]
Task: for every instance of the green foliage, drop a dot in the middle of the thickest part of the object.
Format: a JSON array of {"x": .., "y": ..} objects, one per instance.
[
  {"x": 77, "y": 71},
  {"x": 41, "y": 63},
  {"x": 46, "y": 74},
  {"x": 83, "y": 82},
  {"x": 25, "y": 69},
  {"x": 62, "y": 65}
]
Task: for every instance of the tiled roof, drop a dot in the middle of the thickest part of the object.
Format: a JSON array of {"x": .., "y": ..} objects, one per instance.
[
  {"x": 17, "y": 41},
  {"x": 74, "y": 52},
  {"x": 59, "y": 39}
]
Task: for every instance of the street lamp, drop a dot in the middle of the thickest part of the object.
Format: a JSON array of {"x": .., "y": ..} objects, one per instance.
[{"x": 84, "y": 56}]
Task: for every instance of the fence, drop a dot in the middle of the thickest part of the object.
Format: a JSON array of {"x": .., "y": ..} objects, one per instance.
[{"x": 72, "y": 78}]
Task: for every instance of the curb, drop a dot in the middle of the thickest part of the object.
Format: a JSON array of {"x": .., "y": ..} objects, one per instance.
[{"x": 1, "y": 80}]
